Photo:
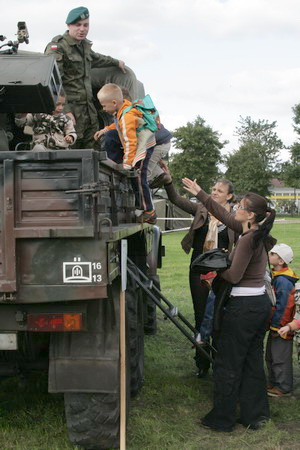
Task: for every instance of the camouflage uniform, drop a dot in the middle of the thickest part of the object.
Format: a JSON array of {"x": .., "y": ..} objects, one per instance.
[
  {"x": 75, "y": 62},
  {"x": 49, "y": 130}
]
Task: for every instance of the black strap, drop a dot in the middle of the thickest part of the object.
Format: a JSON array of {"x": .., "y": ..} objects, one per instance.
[{"x": 268, "y": 258}]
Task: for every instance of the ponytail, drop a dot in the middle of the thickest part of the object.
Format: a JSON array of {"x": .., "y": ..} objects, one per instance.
[
  {"x": 264, "y": 228},
  {"x": 264, "y": 218}
]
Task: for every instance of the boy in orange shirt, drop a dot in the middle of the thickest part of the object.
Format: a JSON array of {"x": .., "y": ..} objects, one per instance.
[{"x": 137, "y": 145}]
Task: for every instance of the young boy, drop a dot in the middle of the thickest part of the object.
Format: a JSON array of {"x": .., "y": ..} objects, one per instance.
[
  {"x": 137, "y": 145},
  {"x": 50, "y": 131},
  {"x": 280, "y": 347}
]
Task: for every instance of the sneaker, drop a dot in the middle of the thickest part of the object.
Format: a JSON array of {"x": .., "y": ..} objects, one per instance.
[
  {"x": 275, "y": 392},
  {"x": 148, "y": 217},
  {"x": 138, "y": 212}
]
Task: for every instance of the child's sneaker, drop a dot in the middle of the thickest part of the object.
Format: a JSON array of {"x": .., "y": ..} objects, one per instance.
[
  {"x": 148, "y": 216},
  {"x": 275, "y": 392},
  {"x": 138, "y": 212}
]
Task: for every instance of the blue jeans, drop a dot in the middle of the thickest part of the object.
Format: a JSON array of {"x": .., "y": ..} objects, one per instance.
[
  {"x": 207, "y": 323},
  {"x": 114, "y": 150},
  {"x": 113, "y": 146}
]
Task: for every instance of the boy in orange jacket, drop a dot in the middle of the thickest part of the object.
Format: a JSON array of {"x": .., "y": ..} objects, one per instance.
[{"x": 137, "y": 145}]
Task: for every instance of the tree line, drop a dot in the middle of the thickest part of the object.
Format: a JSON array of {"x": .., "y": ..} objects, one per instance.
[{"x": 250, "y": 168}]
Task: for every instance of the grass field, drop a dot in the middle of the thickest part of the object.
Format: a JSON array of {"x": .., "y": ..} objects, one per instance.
[{"x": 166, "y": 412}]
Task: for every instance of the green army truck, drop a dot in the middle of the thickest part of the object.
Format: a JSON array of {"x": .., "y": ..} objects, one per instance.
[{"x": 64, "y": 217}]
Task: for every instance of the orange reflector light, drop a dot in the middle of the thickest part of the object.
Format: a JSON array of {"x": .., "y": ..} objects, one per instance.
[{"x": 54, "y": 322}]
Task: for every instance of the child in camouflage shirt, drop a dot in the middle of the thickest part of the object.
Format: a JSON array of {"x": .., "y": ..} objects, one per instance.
[{"x": 50, "y": 131}]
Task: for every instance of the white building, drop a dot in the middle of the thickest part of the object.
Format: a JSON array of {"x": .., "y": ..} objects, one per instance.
[{"x": 284, "y": 198}]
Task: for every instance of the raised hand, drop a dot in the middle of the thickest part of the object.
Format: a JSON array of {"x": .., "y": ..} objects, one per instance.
[{"x": 191, "y": 186}]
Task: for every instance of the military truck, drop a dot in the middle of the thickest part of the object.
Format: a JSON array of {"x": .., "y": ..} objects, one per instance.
[{"x": 64, "y": 216}]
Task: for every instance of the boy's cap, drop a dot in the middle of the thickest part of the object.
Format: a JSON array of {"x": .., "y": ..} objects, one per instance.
[
  {"x": 76, "y": 14},
  {"x": 284, "y": 252}
]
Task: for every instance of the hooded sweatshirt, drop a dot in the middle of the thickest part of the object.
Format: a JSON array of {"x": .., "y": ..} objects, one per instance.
[
  {"x": 134, "y": 143},
  {"x": 283, "y": 282}
]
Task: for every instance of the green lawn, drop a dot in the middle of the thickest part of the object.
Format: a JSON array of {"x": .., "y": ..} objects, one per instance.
[{"x": 165, "y": 414}]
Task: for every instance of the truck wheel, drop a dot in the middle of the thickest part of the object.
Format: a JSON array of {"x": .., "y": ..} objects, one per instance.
[
  {"x": 93, "y": 420},
  {"x": 135, "y": 310}
]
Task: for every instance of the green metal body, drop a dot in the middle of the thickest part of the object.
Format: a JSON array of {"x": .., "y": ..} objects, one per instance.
[{"x": 63, "y": 214}]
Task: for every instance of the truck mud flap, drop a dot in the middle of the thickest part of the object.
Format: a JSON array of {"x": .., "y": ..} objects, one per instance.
[{"x": 89, "y": 361}]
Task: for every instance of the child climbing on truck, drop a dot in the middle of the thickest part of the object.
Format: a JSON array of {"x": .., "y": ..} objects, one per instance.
[{"x": 137, "y": 140}]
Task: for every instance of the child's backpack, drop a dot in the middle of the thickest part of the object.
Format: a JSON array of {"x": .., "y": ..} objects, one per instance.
[{"x": 150, "y": 113}]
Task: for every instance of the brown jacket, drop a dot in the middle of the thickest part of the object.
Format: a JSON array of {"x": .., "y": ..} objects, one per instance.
[
  {"x": 248, "y": 265},
  {"x": 199, "y": 212}
]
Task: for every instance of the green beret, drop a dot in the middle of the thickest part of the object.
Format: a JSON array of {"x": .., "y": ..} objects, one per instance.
[{"x": 76, "y": 14}]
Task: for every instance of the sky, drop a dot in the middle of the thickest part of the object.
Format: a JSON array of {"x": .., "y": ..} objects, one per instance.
[{"x": 219, "y": 59}]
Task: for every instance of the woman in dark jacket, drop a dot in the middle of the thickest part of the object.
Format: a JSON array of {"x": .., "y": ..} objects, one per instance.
[
  {"x": 238, "y": 366},
  {"x": 204, "y": 234}
]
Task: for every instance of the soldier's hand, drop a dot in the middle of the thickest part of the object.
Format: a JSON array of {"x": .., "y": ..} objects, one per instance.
[
  {"x": 122, "y": 66},
  {"x": 71, "y": 117},
  {"x": 98, "y": 134}
]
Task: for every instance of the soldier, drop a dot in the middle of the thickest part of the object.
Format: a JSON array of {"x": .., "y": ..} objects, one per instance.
[{"x": 75, "y": 59}]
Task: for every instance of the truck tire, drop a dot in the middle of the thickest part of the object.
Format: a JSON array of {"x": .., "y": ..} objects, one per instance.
[
  {"x": 135, "y": 311},
  {"x": 93, "y": 420}
]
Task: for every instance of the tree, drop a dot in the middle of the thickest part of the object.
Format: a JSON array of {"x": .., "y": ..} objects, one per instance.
[
  {"x": 296, "y": 118},
  {"x": 291, "y": 168},
  {"x": 247, "y": 171},
  {"x": 199, "y": 153},
  {"x": 251, "y": 167}
]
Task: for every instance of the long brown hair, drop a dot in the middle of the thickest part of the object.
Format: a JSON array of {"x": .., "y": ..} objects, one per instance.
[{"x": 264, "y": 218}]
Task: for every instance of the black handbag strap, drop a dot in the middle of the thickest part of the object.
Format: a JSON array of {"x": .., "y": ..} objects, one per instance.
[{"x": 270, "y": 269}]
